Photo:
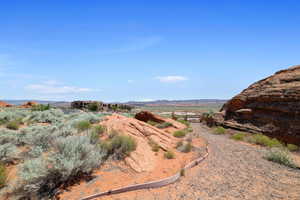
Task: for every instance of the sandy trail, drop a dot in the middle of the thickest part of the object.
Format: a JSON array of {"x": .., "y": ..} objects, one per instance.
[{"x": 233, "y": 170}]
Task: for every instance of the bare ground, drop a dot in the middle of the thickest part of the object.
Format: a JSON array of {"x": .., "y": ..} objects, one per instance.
[{"x": 233, "y": 170}]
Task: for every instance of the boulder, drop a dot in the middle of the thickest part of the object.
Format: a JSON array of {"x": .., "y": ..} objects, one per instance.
[{"x": 270, "y": 106}]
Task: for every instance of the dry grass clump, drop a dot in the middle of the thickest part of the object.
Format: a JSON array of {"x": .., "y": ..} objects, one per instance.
[
  {"x": 219, "y": 130},
  {"x": 119, "y": 146},
  {"x": 3, "y": 175},
  {"x": 13, "y": 125},
  {"x": 292, "y": 147},
  {"x": 164, "y": 125},
  {"x": 169, "y": 155},
  {"x": 154, "y": 146},
  {"x": 264, "y": 140},
  {"x": 280, "y": 156},
  {"x": 180, "y": 133},
  {"x": 238, "y": 136}
]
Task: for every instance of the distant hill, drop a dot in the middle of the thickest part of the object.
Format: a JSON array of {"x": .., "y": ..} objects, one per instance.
[
  {"x": 53, "y": 103},
  {"x": 192, "y": 102}
]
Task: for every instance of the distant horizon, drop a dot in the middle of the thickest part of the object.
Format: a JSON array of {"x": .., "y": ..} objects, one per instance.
[
  {"x": 120, "y": 51},
  {"x": 158, "y": 100}
]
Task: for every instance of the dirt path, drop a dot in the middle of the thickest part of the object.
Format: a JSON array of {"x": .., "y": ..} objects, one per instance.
[{"x": 233, "y": 170}]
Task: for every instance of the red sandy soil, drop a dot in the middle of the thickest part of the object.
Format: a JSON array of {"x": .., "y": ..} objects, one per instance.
[{"x": 114, "y": 175}]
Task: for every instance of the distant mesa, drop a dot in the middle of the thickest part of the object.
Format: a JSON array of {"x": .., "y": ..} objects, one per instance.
[
  {"x": 4, "y": 104},
  {"x": 29, "y": 104},
  {"x": 270, "y": 106}
]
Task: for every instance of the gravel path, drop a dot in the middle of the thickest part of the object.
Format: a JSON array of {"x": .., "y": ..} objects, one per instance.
[{"x": 233, "y": 170}]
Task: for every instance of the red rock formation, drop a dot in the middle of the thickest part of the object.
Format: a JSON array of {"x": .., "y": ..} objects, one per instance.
[
  {"x": 29, "y": 104},
  {"x": 4, "y": 104},
  {"x": 143, "y": 159},
  {"x": 271, "y": 106}
]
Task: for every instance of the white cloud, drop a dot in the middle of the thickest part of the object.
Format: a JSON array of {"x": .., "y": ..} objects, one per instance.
[
  {"x": 53, "y": 87},
  {"x": 130, "y": 81},
  {"x": 171, "y": 79}
]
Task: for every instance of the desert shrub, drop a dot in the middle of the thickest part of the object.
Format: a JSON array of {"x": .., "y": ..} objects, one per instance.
[
  {"x": 83, "y": 125},
  {"x": 47, "y": 116},
  {"x": 36, "y": 151},
  {"x": 8, "y": 153},
  {"x": 12, "y": 114},
  {"x": 189, "y": 129},
  {"x": 280, "y": 156},
  {"x": 99, "y": 129},
  {"x": 187, "y": 147},
  {"x": 219, "y": 130},
  {"x": 42, "y": 136},
  {"x": 122, "y": 145},
  {"x": 238, "y": 136},
  {"x": 112, "y": 133},
  {"x": 164, "y": 125},
  {"x": 179, "y": 134},
  {"x": 182, "y": 172},
  {"x": 179, "y": 144},
  {"x": 94, "y": 106},
  {"x": 13, "y": 125},
  {"x": 264, "y": 140},
  {"x": 154, "y": 146},
  {"x": 292, "y": 147},
  {"x": 74, "y": 156},
  {"x": 169, "y": 155},
  {"x": 40, "y": 107},
  {"x": 3, "y": 175},
  {"x": 152, "y": 123},
  {"x": 11, "y": 136},
  {"x": 185, "y": 122},
  {"x": 184, "y": 147},
  {"x": 94, "y": 137}
]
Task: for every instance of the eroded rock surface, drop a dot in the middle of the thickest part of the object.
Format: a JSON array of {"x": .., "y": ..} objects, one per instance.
[
  {"x": 271, "y": 106},
  {"x": 143, "y": 158}
]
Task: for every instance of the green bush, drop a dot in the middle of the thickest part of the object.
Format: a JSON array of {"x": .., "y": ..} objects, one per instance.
[
  {"x": 169, "y": 155},
  {"x": 83, "y": 125},
  {"x": 238, "y": 136},
  {"x": 40, "y": 107},
  {"x": 94, "y": 106},
  {"x": 3, "y": 176},
  {"x": 292, "y": 147},
  {"x": 73, "y": 157},
  {"x": 280, "y": 156},
  {"x": 99, "y": 129},
  {"x": 179, "y": 134},
  {"x": 219, "y": 130},
  {"x": 154, "y": 146},
  {"x": 179, "y": 144},
  {"x": 185, "y": 122},
  {"x": 13, "y": 125},
  {"x": 118, "y": 146},
  {"x": 122, "y": 145},
  {"x": 164, "y": 125},
  {"x": 8, "y": 153},
  {"x": 187, "y": 147},
  {"x": 152, "y": 123},
  {"x": 264, "y": 140}
]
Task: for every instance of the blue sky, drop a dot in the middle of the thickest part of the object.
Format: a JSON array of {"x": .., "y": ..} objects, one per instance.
[{"x": 142, "y": 50}]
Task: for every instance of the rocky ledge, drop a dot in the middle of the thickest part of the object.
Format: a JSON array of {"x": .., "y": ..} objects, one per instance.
[{"x": 270, "y": 106}]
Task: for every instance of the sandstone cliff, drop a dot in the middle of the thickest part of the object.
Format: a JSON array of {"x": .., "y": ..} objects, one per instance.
[{"x": 271, "y": 106}]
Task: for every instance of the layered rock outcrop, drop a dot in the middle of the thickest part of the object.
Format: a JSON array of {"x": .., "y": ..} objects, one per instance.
[
  {"x": 143, "y": 158},
  {"x": 270, "y": 106}
]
